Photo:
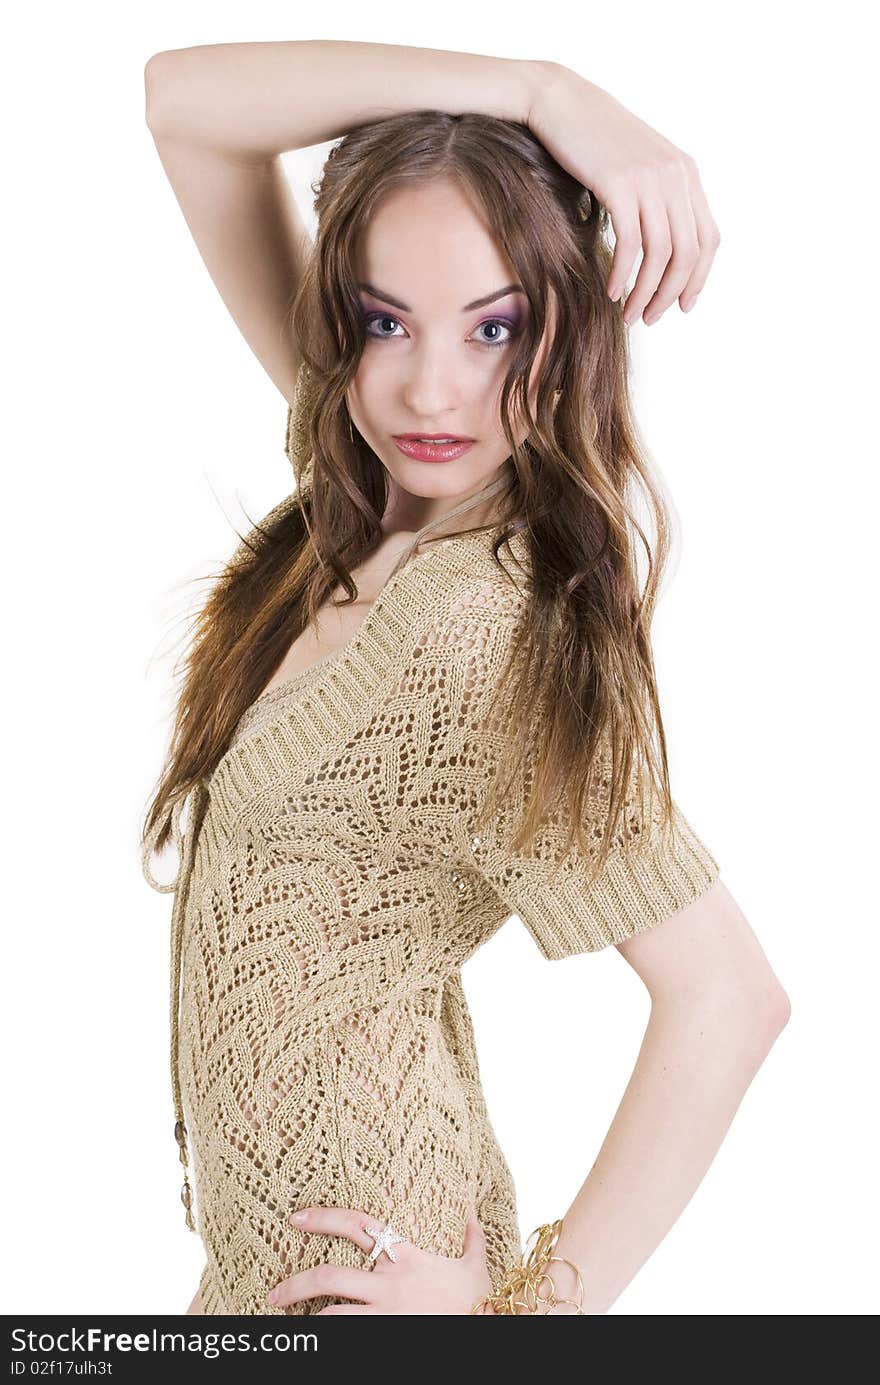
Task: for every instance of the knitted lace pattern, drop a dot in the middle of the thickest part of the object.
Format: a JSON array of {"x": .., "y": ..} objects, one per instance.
[{"x": 330, "y": 887}]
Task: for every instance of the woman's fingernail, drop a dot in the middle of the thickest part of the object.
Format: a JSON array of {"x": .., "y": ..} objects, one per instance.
[
  {"x": 272, "y": 1296},
  {"x": 300, "y": 1216}
]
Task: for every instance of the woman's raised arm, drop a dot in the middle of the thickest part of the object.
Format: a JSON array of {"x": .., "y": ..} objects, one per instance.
[
  {"x": 253, "y": 101},
  {"x": 221, "y": 114}
]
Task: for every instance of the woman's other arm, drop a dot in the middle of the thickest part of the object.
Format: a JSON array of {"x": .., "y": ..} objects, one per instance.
[
  {"x": 221, "y": 114},
  {"x": 716, "y": 1011}
]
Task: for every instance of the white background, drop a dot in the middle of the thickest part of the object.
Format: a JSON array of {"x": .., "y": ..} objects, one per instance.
[{"x": 140, "y": 433}]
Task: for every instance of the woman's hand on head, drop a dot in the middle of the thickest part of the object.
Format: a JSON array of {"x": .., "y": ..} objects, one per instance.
[{"x": 651, "y": 189}]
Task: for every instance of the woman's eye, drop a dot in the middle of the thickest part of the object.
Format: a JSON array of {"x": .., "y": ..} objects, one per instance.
[
  {"x": 378, "y": 317},
  {"x": 496, "y": 322},
  {"x": 493, "y": 324}
]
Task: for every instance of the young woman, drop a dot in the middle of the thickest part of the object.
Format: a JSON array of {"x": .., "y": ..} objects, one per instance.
[{"x": 421, "y": 696}]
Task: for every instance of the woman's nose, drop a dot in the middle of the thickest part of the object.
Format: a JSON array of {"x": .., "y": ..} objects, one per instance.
[{"x": 430, "y": 395}]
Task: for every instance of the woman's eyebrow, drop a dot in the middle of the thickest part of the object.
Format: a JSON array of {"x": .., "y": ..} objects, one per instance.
[{"x": 468, "y": 307}]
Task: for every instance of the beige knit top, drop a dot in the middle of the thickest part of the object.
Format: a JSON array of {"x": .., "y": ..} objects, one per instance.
[{"x": 330, "y": 889}]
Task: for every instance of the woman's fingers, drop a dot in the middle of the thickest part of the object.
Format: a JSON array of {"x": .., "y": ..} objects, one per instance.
[
  {"x": 656, "y": 253},
  {"x": 682, "y": 262},
  {"x": 336, "y": 1221},
  {"x": 709, "y": 238},
  {"x": 337, "y": 1281},
  {"x": 623, "y": 209},
  {"x": 677, "y": 235}
]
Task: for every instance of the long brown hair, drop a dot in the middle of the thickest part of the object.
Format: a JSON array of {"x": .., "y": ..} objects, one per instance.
[{"x": 584, "y": 646}]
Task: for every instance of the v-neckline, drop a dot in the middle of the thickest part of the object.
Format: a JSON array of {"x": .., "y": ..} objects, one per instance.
[
  {"x": 403, "y": 560},
  {"x": 313, "y": 706},
  {"x": 349, "y": 650},
  {"x": 312, "y": 709}
]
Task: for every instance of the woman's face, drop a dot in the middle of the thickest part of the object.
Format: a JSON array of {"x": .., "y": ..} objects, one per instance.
[{"x": 435, "y": 357}]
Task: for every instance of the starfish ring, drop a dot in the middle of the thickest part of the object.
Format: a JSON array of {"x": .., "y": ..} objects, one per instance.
[{"x": 385, "y": 1239}]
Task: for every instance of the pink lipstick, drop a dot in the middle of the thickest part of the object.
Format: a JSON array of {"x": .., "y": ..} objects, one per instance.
[{"x": 433, "y": 447}]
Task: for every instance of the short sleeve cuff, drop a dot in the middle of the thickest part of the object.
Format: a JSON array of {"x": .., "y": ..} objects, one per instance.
[{"x": 635, "y": 891}]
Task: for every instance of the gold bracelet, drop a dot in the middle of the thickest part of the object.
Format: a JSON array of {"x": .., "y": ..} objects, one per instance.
[{"x": 528, "y": 1278}]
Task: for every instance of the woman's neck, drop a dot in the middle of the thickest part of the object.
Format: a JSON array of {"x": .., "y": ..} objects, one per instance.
[{"x": 481, "y": 508}]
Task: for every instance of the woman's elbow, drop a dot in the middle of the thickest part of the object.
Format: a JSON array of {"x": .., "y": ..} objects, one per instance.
[
  {"x": 753, "y": 1008},
  {"x": 781, "y": 1007},
  {"x": 776, "y": 1009},
  {"x": 707, "y": 958}
]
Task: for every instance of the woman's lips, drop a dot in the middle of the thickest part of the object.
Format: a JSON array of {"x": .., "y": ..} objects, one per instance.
[{"x": 431, "y": 451}]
